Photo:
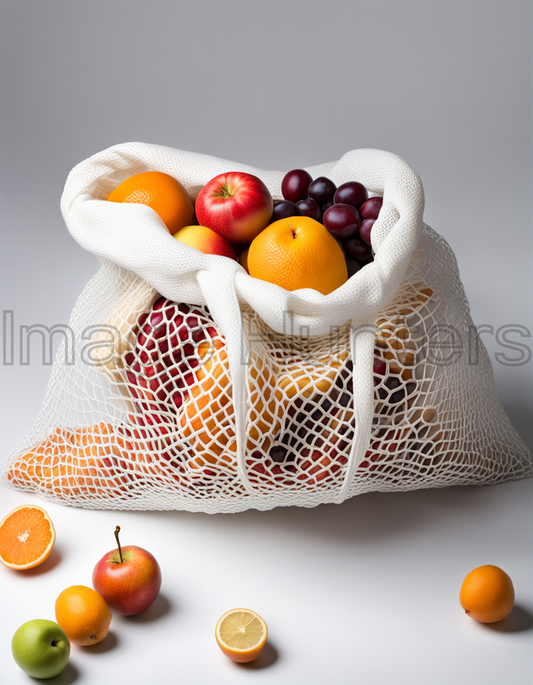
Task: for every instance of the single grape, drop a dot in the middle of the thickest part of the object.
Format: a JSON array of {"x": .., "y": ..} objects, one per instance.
[
  {"x": 342, "y": 221},
  {"x": 283, "y": 210},
  {"x": 379, "y": 367},
  {"x": 370, "y": 209},
  {"x": 365, "y": 228},
  {"x": 352, "y": 266},
  {"x": 278, "y": 453},
  {"x": 295, "y": 184},
  {"x": 383, "y": 393},
  {"x": 322, "y": 190},
  {"x": 356, "y": 249},
  {"x": 351, "y": 193},
  {"x": 316, "y": 415},
  {"x": 401, "y": 390},
  {"x": 310, "y": 208},
  {"x": 393, "y": 382}
]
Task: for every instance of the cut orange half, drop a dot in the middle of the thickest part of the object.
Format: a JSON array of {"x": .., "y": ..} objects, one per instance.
[
  {"x": 27, "y": 536},
  {"x": 241, "y": 634}
]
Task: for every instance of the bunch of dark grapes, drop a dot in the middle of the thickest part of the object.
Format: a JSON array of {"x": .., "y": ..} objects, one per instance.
[{"x": 347, "y": 212}]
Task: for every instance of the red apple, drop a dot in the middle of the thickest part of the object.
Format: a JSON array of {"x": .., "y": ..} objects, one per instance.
[
  {"x": 236, "y": 205},
  {"x": 170, "y": 344},
  {"x": 205, "y": 240},
  {"x": 128, "y": 578}
]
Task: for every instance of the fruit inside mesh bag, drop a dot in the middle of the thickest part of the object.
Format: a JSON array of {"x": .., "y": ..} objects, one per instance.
[
  {"x": 300, "y": 423},
  {"x": 181, "y": 426},
  {"x": 178, "y": 373}
]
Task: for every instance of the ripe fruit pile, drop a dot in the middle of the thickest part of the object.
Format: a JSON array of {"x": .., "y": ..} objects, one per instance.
[
  {"x": 177, "y": 374},
  {"x": 235, "y": 209},
  {"x": 300, "y": 423},
  {"x": 180, "y": 428},
  {"x": 127, "y": 579},
  {"x": 171, "y": 341},
  {"x": 346, "y": 211}
]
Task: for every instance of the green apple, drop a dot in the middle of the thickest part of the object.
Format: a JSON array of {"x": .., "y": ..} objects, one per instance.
[{"x": 41, "y": 648}]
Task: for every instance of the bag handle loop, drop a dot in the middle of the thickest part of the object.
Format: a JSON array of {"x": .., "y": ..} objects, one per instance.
[
  {"x": 217, "y": 289},
  {"x": 362, "y": 340}
]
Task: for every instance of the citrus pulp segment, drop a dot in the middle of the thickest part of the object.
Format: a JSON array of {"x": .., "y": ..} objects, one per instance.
[{"x": 27, "y": 536}]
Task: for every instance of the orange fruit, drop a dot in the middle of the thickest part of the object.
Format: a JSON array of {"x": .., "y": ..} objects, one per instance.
[
  {"x": 298, "y": 252},
  {"x": 163, "y": 193},
  {"x": 241, "y": 634},
  {"x": 83, "y": 614},
  {"x": 27, "y": 536},
  {"x": 77, "y": 463},
  {"x": 487, "y": 594},
  {"x": 207, "y": 417}
]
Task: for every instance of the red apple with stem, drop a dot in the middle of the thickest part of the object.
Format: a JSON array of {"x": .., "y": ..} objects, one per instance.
[
  {"x": 236, "y": 205},
  {"x": 128, "y": 578}
]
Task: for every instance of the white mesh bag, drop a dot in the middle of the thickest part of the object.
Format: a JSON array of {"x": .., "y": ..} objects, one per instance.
[{"x": 187, "y": 384}]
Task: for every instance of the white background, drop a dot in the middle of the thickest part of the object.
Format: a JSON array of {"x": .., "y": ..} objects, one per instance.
[{"x": 366, "y": 591}]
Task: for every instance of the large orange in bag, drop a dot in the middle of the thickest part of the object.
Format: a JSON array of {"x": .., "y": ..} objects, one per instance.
[
  {"x": 162, "y": 192},
  {"x": 296, "y": 253}
]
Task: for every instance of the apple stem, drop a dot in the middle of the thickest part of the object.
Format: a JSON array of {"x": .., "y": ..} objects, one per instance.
[
  {"x": 226, "y": 191},
  {"x": 117, "y": 531}
]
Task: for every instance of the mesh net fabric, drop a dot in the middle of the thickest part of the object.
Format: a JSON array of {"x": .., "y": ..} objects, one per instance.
[{"x": 145, "y": 415}]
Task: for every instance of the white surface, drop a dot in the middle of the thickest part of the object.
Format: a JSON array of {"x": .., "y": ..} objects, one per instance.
[{"x": 351, "y": 593}]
